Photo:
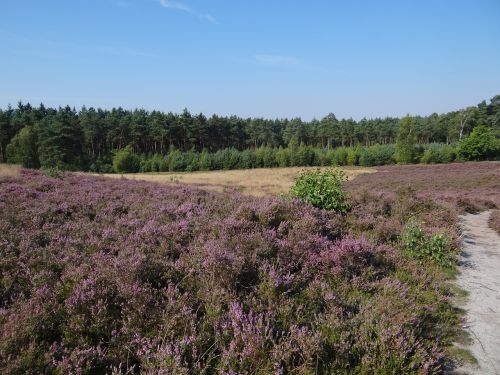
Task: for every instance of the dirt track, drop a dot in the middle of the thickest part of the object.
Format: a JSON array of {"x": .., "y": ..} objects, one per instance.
[{"x": 480, "y": 276}]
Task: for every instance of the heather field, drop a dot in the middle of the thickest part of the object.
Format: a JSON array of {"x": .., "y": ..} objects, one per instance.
[
  {"x": 103, "y": 275},
  {"x": 256, "y": 187},
  {"x": 469, "y": 187}
]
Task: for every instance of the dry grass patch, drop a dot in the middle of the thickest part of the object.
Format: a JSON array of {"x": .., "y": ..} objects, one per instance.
[
  {"x": 8, "y": 170},
  {"x": 255, "y": 182}
]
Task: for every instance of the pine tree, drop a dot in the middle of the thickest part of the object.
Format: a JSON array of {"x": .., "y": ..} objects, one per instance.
[{"x": 61, "y": 141}]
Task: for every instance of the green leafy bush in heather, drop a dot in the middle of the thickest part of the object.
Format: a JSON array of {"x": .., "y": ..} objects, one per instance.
[
  {"x": 53, "y": 172},
  {"x": 481, "y": 144},
  {"x": 424, "y": 247},
  {"x": 126, "y": 161},
  {"x": 323, "y": 189}
]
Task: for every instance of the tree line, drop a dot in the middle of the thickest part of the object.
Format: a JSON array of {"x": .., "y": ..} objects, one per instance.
[{"x": 88, "y": 138}]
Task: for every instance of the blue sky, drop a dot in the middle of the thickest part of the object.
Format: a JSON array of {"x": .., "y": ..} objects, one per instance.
[{"x": 271, "y": 58}]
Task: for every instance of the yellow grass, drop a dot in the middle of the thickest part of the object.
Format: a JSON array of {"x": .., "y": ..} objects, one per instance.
[
  {"x": 8, "y": 170},
  {"x": 257, "y": 182}
]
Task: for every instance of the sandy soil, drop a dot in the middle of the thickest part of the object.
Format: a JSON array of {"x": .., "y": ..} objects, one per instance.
[
  {"x": 480, "y": 276},
  {"x": 256, "y": 182}
]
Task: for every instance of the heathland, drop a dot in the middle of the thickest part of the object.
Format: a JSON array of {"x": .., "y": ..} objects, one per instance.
[
  {"x": 259, "y": 268},
  {"x": 105, "y": 275}
]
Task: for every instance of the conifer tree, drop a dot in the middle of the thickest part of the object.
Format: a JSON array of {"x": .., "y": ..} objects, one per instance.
[{"x": 406, "y": 140}]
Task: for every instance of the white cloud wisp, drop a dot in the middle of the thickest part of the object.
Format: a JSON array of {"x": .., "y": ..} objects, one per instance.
[{"x": 183, "y": 7}]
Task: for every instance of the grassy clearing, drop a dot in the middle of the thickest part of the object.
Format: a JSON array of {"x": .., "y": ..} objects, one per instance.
[
  {"x": 8, "y": 170},
  {"x": 256, "y": 182}
]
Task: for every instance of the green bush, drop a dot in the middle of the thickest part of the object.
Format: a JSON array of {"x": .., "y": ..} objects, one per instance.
[
  {"x": 282, "y": 157},
  {"x": 406, "y": 140},
  {"x": 325, "y": 157},
  {"x": 340, "y": 156},
  {"x": 246, "y": 159},
  {"x": 480, "y": 145},
  {"x": 353, "y": 156},
  {"x": 377, "y": 155},
  {"x": 158, "y": 163},
  {"x": 205, "y": 162},
  {"x": 22, "y": 149},
  {"x": 322, "y": 189},
  {"x": 102, "y": 165},
  {"x": 145, "y": 165},
  {"x": 419, "y": 245},
  {"x": 232, "y": 159},
  {"x": 53, "y": 172},
  {"x": 176, "y": 161},
  {"x": 436, "y": 153},
  {"x": 126, "y": 161}
]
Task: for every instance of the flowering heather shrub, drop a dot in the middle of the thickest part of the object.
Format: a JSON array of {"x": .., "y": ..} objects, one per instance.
[
  {"x": 117, "y": 276},
  {"x": 462, "y": 187}
]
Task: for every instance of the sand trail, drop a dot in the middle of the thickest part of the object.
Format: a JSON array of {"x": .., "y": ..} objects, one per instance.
[{"x": 480, "y": 276}]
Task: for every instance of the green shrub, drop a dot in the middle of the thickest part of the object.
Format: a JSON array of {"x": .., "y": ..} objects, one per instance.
[
  {"x": 205, "y": 163},
  {"x": 102, "y": 165},
  {"x": 340, "y": 156},
  {"x": 22, "y": 149},
  {"x": 480, "y": 145},
  {"x": 419, "y": 245},
  {"x": 322, "y": 189},
  {"x": 246, "y": 159},
  {"x": 177, "y": 161},
  {"x": 145, "y": 165},
  {"x": 377, "y": 155},
  {"x": 126, "y": 161},
  {"x": 326, "y": 157},
  {"x": 232, "y": 158},
  {"x": 436, "y": 153},
  {"x": 157, "y": 163},
  {"x": 53, "y": 172},
  {"x": 353, "y": 156},
  {"x": 282, "y": 157},
  {"x": 406, "y": 140}
]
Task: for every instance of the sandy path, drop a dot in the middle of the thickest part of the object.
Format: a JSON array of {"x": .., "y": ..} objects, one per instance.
[{"x": 480, "y": 276}]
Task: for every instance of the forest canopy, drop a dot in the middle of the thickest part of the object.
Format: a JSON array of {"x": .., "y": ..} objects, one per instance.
[{"x": 88, "y": 138}]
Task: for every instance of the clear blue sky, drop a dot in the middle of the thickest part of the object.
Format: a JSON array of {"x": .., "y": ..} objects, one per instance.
[{"x": 271, "y": 58}]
